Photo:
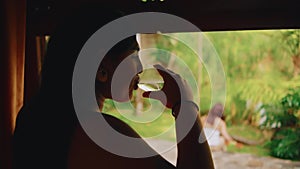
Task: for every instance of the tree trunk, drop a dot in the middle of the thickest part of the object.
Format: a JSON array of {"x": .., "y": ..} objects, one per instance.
[
  {"x": 139, "y": 102},
  {"x": 296, "y": 62}
]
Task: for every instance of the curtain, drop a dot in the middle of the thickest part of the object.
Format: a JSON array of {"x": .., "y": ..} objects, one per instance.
[
  {"x": 35, "y": 52},
  {"x": 12, "y": 53}
]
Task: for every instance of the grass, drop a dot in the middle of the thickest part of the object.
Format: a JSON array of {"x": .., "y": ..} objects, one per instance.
[
  {"x": 162, "y": 127},
  {"x": 148, "y": 125},
  {"x": 248, "y": 134},
  {"x": 258, "y": 150}
]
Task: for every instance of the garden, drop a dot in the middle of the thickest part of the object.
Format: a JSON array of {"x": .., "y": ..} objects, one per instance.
[{"x": 262, "y": 102}]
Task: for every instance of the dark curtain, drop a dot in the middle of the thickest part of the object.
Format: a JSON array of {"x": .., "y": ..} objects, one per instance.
[{"x": 12, "y": 53}]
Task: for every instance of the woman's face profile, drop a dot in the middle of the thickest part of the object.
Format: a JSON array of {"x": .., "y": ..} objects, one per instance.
[{"x": 122, "y": 76}]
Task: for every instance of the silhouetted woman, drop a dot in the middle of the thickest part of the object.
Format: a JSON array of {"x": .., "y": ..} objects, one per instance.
[{"x": 48, "y": 134}]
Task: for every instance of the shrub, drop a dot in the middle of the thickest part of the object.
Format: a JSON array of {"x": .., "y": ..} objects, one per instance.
[
  {"x": 286, "y": 144},
  {"x": 285, "y": 118}
]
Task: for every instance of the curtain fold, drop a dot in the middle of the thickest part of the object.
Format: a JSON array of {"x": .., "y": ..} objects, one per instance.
[{"x": 12, "y": 54}]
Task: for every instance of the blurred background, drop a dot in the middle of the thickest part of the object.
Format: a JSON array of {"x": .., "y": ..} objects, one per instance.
[
  {"x": 261, "y": 68},
  {"x": 262, "y": 88}
]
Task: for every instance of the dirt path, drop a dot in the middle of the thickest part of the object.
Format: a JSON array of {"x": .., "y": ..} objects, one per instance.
[{"x": 224, "y": 160}]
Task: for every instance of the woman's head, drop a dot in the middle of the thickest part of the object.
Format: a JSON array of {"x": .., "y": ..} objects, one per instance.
[
  {"x": 216, "y": 111},
  {"x": 66, "y": 43},
  {"x": 117, "y": 74}
]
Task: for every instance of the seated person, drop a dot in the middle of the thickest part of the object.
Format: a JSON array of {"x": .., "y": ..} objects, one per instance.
[{"x": 215, "y": 128}]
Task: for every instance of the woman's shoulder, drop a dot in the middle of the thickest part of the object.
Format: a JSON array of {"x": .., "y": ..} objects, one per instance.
[
  {"x": 120, "y": 125},
  {"x": 203, "y": 118}
]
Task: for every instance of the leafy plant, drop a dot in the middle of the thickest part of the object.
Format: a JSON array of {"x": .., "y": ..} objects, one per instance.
[
  {"x": 284, "y": 117},
  {"x": 275, "y": 116},
  {"x": 291, "y": 39},
  {"x": 291, "y": 102},
  {"x": 286, "y": 144}
]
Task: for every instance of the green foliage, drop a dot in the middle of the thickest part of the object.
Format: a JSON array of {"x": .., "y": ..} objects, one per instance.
[
  {"x": 235, "y": 111},
  {"x": 286, "y": 144},
  {"x": 258, "y": 69},
  {"x": 285, "y": 117},
  {"x": 291, "y": 39},
  {"x": 256, "y": 150},
  {"x": 276, "y": 117},
  {"x": 257, "y": 65},
  {"x": 247, "y": 134},
  {"x": 162, "y": 128},
  {"x": 285, "y": 113},
  {"x": 291, "y": 102},
  {"x": 108, "y": 105},
  {"x": 248, "y": 54}
]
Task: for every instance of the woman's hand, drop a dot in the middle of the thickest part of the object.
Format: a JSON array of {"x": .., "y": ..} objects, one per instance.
[
  {"x": 192, "y": 154},
  {"x": 174, "y": 90}
]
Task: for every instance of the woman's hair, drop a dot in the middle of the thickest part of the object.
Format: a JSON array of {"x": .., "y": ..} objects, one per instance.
[
  {"x": 45, "y": 125},
  {"x": 215, "y": 112},
  {"x": 67, "y": 41}
]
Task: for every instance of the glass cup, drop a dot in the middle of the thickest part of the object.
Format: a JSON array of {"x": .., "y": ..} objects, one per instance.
[{"x": 150, "y": 80}]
